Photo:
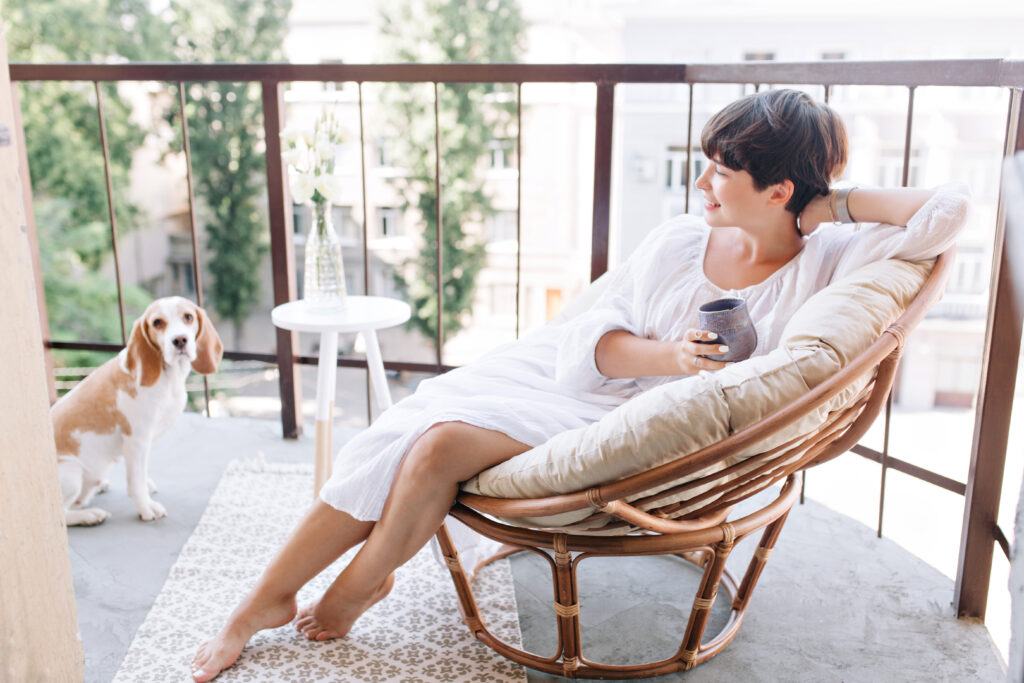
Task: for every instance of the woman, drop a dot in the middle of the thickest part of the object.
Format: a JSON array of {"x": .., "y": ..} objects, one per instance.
[{"x": 773, "y": 156}]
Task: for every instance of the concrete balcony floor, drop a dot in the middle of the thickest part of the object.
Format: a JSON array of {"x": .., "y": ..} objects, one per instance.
[{"x": 835, "y": 603}]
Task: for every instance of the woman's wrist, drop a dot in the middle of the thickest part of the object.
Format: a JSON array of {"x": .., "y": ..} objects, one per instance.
[{"x": 891, "y": 206}]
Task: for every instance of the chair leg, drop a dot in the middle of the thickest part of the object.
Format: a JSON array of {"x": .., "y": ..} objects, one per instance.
[
  {"x": 467, "y": 605},
  {"x": 757, "y": 564},
  {"x": 705, "y": 599},
  {"x": 567, "y": 607}
]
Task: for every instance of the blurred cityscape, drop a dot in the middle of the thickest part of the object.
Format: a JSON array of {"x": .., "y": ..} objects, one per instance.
[{"x": 957, "y": 134}]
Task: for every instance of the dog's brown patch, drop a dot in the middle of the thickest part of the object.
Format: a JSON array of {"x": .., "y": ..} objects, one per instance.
[
  {"x": 209, "y": 349},
  {"x": 144, "y": 354},
  {"x": 93, "y": 408}
]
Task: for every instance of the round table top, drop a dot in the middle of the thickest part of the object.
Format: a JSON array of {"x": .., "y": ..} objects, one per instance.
[{"x": 360, "y": 313}]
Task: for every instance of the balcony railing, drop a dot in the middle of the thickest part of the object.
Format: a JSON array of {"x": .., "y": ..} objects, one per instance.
[{"x": 1006, "y": 305}]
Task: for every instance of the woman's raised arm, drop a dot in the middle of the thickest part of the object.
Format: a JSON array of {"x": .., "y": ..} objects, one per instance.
[
  {"x": 910, "y": 224},
  {"x": 893, "y": 206}
]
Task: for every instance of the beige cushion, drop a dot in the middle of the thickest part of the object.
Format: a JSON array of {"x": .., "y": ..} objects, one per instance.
[{"x": 681, "y": 417}]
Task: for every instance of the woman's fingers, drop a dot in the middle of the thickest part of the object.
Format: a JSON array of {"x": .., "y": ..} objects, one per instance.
[
  {"x": 706, "y": 349},
  {"x": 700, "y": 335}
]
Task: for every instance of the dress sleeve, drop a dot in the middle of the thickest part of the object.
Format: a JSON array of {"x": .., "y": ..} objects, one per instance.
[
  {"x": 617, "y": 308},
  {"x": 928, "y": 233}
]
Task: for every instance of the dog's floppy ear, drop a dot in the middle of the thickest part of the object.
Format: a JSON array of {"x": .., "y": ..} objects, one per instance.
[
  {"x": 209, "y": 349},
  {"x": 143, "y": 354}
]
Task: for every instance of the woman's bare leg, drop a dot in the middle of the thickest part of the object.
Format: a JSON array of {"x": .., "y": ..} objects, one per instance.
[
  {"x": 322, "y": 536},
  {"x": 421, "y": 495}
]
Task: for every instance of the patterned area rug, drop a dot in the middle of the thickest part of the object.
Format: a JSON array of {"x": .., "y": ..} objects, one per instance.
[{"x": 415, "y": 634}]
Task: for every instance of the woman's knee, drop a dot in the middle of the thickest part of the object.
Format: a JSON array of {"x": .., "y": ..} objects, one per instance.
[{"x": 429, "y": 454}]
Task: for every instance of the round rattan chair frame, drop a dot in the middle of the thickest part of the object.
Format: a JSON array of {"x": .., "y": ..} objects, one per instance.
[{"x": 704, "y": 536}]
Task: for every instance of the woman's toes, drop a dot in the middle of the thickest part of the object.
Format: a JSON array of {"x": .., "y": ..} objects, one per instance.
[
  {"x": 326, "y": 635},
  {"x": 302, "y": 623}
]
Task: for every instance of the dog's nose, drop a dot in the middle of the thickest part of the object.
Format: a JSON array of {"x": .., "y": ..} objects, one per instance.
[{"x": 179, "y": 342}]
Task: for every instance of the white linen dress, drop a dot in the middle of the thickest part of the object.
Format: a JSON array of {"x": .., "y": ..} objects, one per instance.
[{"x": 547, "y": 381}]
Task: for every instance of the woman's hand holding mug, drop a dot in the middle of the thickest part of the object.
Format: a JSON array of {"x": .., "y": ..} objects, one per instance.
[{"x": 692, "y": 356}]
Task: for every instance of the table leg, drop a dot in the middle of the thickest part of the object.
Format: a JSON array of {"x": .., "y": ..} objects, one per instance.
[
  {"x": 326, "y": 374},
  {"x": 375, "y": 364}
]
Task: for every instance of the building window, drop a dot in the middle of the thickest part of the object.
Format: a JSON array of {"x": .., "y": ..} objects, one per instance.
[
  {"x": 552, "y": 303},
  {"x": 758, "y": 56},
  {"x": 503, "y": 299},
  {"x": 344, "y": 222},
  {"x": 675, "y": 168},
  {"x": 389, "y": 221},
  {"x": 890, "y": 168},
  {"x": 385, "y": 152},
  {"x": 183, "y": 277},
  {"x": 501, "y": 153},
  {"x": 833, "y": 54},
  {"x": 501, "y": 226}
]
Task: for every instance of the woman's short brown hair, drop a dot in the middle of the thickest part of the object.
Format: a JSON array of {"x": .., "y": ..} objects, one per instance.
[{"x": 778, "y": 134}]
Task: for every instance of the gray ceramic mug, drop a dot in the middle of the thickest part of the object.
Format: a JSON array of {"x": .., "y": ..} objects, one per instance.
[{"x": 729, "y": 319}]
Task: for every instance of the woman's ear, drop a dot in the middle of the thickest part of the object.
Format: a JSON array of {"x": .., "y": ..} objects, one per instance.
[
  {"x": 143, "y": 354},
  {"x": 209, "y": 349}
]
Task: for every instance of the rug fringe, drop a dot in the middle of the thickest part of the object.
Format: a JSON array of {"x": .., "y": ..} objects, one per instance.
[{"x": 259, "y": 464}]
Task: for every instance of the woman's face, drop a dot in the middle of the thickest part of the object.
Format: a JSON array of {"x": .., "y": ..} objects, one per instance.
[{"x": 729, "y": 196}]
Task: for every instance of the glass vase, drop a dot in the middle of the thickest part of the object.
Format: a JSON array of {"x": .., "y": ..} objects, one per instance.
[{"x": 324, "y": 279}]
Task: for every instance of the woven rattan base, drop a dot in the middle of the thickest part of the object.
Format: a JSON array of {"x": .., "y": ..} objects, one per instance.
[{"x": 706, "y": 549}]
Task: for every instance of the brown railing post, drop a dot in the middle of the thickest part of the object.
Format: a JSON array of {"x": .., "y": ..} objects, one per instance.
[
  {"x": 602, "y": 178},
  {"x": 112, "y": 210},
  {"x": 995, "y": 399},
  {"x": 282, "y": 259},
  {"x": 33, "y": 241}
]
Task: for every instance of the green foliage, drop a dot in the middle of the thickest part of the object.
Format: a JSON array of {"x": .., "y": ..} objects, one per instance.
[
  {"x": 226, "y": 135},
  {"x": 62, "y": 137},
  {"x": 471, "y": 116},
  {"x": 66, "y": 160}
]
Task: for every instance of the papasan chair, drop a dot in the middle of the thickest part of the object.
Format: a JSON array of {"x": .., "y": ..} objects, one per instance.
[{"x": 662, "y": 473}]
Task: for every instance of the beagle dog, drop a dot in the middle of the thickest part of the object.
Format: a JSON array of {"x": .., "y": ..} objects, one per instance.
[{"x": 121, "y": 406}]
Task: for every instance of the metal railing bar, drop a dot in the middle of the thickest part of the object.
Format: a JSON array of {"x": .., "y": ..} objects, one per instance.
[
  {"x": 519, "y": 198},
  {"x": 803, "y": 480},
  {"x": 1004, "y": 319},
  {"x": 111, "y": 210},
  {"x": 282, "y": 258},
  {"x": 439, "y": 252},
  {"x": 197, "y": 279},
  {"x": 963, "y": 72},
  {"x": 689, "y": 146},
  {"x": 270, "y": 358},
  {"x": 888, "y": 400},
  {"x": 366, "y": 231},
  {"x": 925, "y": 475},
  {"x": 1000, "y": 536},
  {"x": 603, "y": 130}
]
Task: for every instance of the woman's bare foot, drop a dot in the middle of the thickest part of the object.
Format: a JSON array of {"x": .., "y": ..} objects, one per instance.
[
  {"x": 223, "y": 650},
  {"x": 333, "y": 616}
]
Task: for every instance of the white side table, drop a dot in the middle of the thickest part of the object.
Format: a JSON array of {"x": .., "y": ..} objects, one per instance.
[{"x": 363, "y": 315}]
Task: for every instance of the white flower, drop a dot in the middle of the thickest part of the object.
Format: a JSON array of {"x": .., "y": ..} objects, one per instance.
[
  {"x": 331, "y": 187},
  {"x": 302, "y": 185},
  {"x": 294, "y": 156},
  {"x": 292, "y": 134}
]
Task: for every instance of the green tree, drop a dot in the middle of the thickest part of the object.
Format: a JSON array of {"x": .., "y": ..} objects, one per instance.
[
  {"x": 472, "y": 115},
  {"x": 65, "y": 159},
  {"x": 226, "y": 134}
]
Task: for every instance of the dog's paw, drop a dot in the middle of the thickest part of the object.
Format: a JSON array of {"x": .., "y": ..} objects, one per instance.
[
  {"x": 151, "y": 510},
  {"x": 103, "y": 487},
  {"x": 86, "y": 517}
]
